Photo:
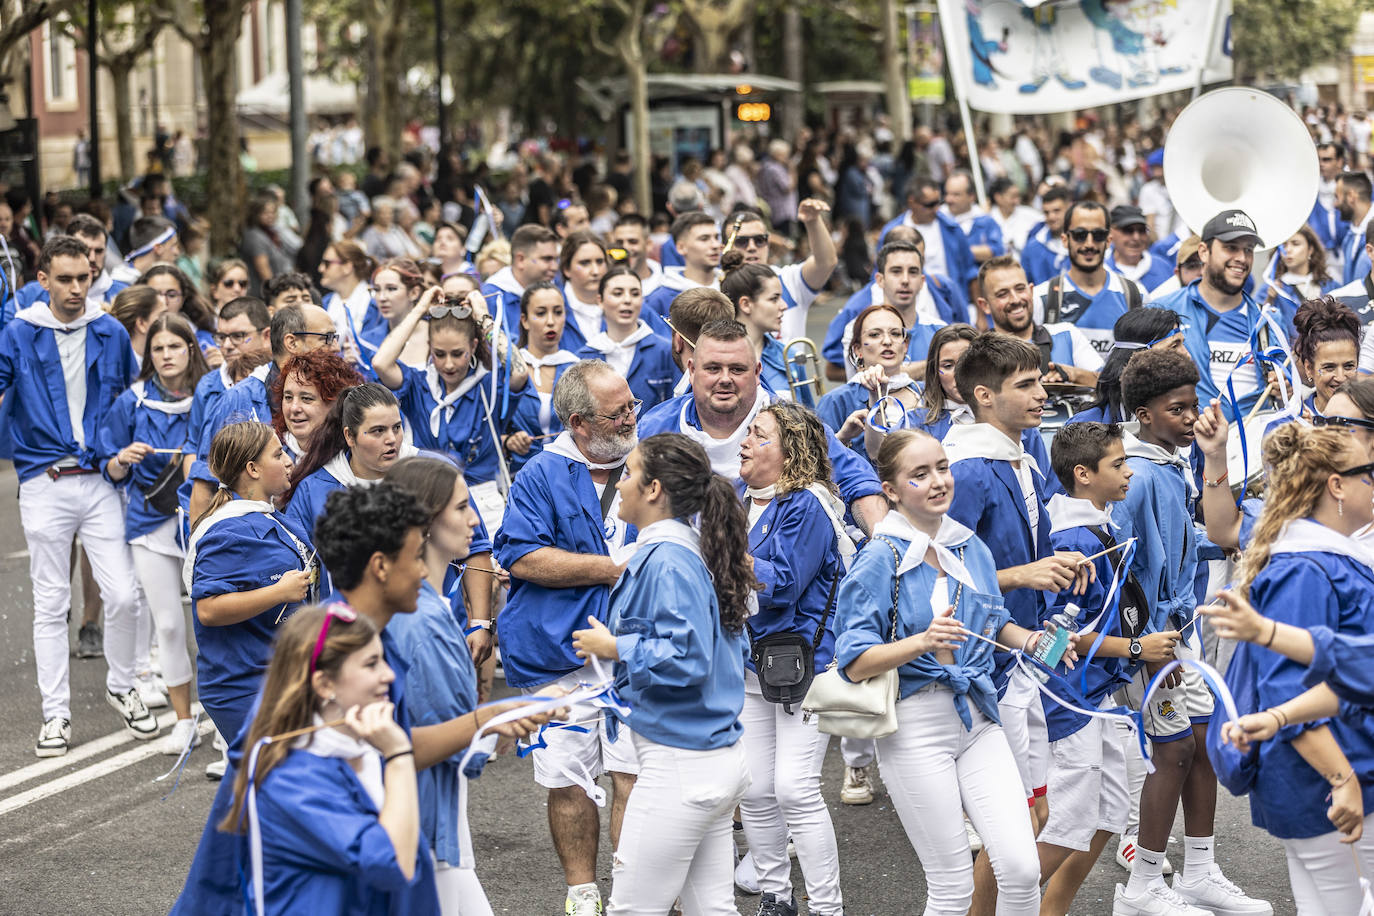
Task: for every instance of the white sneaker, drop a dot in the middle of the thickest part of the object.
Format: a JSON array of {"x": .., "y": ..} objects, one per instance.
[
  {"x": 175, "y": 741},
  {"x": 215, "y": 768},
  {"x": 1125, "y": 855},
  {"x": 1158, "y": 900},
  {"x": 54, "y": 738},
  {"x": 975, "y": 842},
  {"x": 152, "y": 691},
  {"x": 747, "y": 875},
  {"x": 1216, "y": 893},
  {"x": 137, "y": 719},
  {"x": 857, "y": 790},
  {"x": 585, "y": 901}
]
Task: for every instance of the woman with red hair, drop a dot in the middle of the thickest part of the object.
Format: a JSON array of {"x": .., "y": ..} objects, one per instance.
[{"x": 306, "y": 388}]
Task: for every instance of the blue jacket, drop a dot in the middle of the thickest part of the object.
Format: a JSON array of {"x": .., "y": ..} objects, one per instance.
[
  {"x": 986, "y": 231},
  {"x": 130, "y": 422},
  {"x": 1355, "y": 259},
  {"x": 680, "y": 672},
  {"x": 797, "y": 560},
  {"x": 307, "y": 501},
  {"x": 1159, "y": 510},
  {"x": 1213, "y": 355},
  {"x": 552, "y": 503},
  {"x": 239, "y": 555},
  {"x": 864, "y": 616},
  {"x": 959, "y": 262},
  {"x": 1306, "y": 589},
  {"x": 1038, "y": 260},
  {"x": 463, "y": 431},
  {"x": 853, "y": 475},
  {"x": 35, "y": 392},
  {"x": 652, "y": 370},
  {"x": 1342, "y": 661},
  {"x": 443, "y": 686},
  {"x": 1328, "y": 225}
]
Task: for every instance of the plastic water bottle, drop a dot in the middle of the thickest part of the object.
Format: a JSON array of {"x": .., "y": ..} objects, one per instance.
[{"x": 1050, "y": 650}]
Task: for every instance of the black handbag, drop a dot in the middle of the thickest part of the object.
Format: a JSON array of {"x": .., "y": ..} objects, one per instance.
[
  {"x": 161, "y": 494},
  {"x": 786, "y": 662}
]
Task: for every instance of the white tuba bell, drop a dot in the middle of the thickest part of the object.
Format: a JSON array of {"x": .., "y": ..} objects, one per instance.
[{"x": 1244, "y": 149}]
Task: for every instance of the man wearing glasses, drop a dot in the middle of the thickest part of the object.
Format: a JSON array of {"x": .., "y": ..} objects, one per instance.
[
  {"x": 1129, "y": 254},
  {"x": 1324, "y": 218},
  {"x": 947, "y": 249},
  {"x": 1087, "y": 295},
  {"x": 565, "y": 545}
]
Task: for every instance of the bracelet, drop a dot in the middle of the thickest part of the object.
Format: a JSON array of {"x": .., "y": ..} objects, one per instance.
[
  {"x": 1026, "y": 645},
  {"x": 481, "y": 624},
  {"x": 1336, "y": 785},
  {"x": 1277, "y": 721},
  {"x": 1272, "y": 633},
  {"x": 397, "y": 755},
  {"x": 1212, "y": 484},
  {"x": 1279, "y": 713}
]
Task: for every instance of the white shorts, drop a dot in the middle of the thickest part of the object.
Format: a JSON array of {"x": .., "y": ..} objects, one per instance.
[
  {"x": 1173, "y": 710},
  {"x": 589, "y": 750},
  {"x": 1087, "y": 790},
  {"x": 1023, "y": 720}
]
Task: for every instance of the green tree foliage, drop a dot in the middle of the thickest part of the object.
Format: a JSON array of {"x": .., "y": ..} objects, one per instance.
[{"x": 1278, "y": 41}]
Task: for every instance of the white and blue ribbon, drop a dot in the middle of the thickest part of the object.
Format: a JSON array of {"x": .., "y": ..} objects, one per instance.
[{"x": 162, "y": 238}]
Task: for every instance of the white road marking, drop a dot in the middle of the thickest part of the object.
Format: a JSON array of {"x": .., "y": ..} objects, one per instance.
[
  {"x": 81, "y": 777},
  {"x": 82, "y": 752}
]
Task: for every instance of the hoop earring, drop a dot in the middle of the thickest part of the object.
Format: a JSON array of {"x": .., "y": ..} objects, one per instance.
[{"x": 472, "y": 363}]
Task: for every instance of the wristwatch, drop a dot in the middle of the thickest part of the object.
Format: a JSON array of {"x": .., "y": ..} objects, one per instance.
[{"x": 1136, "y": 649}]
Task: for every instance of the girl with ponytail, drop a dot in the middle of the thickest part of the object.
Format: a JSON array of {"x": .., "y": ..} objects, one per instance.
[
  {"x": 247, "y": 569},
  {"x": 1305, "y": 568},
  {"x": 676, "y": 635},
  {"x": 756, "y": 293}
]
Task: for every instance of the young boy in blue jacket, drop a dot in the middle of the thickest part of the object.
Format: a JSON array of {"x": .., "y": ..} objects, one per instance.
[
  {"x": 1088, "y": 787},
  {"x": 1158, "y": 388}
]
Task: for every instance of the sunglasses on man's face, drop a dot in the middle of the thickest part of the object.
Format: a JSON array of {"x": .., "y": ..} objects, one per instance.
[{"x": 1081, "y": 235}]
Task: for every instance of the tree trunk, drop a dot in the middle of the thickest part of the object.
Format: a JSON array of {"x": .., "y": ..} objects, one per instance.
[
  {"x": 639, "y": 129},
  {"x": 385, "y": 32},
  {"x": 710, "y": 46},
  {"x": 898, "y": 106},
  {"x": 794, "y": 67},
  {"x": 225, "y": 191},
  {"x": 121, "y": 75}
]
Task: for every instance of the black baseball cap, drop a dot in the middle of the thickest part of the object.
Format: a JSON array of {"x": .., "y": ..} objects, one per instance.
[
  {"x": 1230, "y": 225},
  {"x": 1124, "y": 216}
]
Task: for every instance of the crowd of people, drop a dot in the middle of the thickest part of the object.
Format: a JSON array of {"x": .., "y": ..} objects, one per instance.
[{"x": 420, "y": 433}]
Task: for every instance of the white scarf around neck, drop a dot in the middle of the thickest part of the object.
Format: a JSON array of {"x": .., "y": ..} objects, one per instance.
[
  {"x": 565, "y": 447},
  {"x": 445, "y": 402},
  {"x": 983, "y": 440},
  {"x": 620, "y": 354},
  {"x": 673, "y": 531},
  {"x": 330, "y": 742},
  {"x": 342, "y": 470},
  {"x": 1069, "y": 512},
  {"x": 172, "y": 408},
  {"x": 40, "y": 315},
  {"x": 557, "y": 358},
  {"x": 1301, "y": 535},
  {"x": 235, "y": 508},
  {"x": 951, "y": 534}
]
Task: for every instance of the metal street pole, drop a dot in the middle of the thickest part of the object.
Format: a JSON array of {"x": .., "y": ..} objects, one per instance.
[
  {"x": 439, "y": 69},
  {"x": 295, "y": 66},
  {"x": 93, "y": 96}
]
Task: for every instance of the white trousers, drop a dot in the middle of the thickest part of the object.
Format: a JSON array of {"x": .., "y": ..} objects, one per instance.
[
  {"x": 935, "y": 770},
  {"x": 160, "y": 576},
  {"x": 52, "y": 513},
  {"x": 1323, "y": 874},
  {"x": 857, "y": 752},
  {"x": 460, "y": 893},
  {"x": 785, "y": 754},
  {"x": 676, "y": 841}
]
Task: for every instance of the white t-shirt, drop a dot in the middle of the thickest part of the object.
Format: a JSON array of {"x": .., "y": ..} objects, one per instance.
[
  {"x": 1023, "y": 477},
  {"x": 935, "y": 246}
]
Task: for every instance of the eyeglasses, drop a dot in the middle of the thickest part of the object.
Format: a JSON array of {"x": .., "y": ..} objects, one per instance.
[
  {"x": 235, "y": 337},
  {"x": 624, "y": 415},
  {"x": 330, "y": 262},
  {"x": 458, "y": 308},
  {"x": 330, "y": 338},
  {"x": 752, "y": 241},
  {"x": 333, "y": 612},
  {"x": 1362, "y": 470},
  {"x": 874, "y": 335},
  {"x": 1346, "y": 422},
  {"x": 931, "y": 204},
  {"x": 241, "y": 284},
  {"x": 1081, "y": 235},
  {"x": 171, "y": 295}
]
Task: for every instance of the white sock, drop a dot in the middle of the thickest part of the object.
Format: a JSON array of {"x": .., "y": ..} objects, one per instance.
[
  {"x": 1147, "y": 868},
  {"x": 1199, "y": 854},
  {"x": 589, "y": 889}
]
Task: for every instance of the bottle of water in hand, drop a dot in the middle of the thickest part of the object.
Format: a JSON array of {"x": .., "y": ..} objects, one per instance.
[{"x": 1050, "y": 650}]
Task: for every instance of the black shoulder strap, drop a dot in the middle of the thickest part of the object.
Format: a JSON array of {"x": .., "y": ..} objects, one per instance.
[
  {"x": 829, "y": 605},
  {"x": 1133, "y": 297},
  {"x": 608, "y": 494},
  {"x": 1045, "y": 344},
  {"x": 1136, "y": 597},
  {"x": 1054, "y": 299},
  {"x": 896, "y": 583}
]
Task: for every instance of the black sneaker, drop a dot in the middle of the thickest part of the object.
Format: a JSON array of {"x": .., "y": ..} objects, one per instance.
[
  {"x": 54, "y": 738},
  {"x": 137, "y": 719},
  {"x": 772, "y": 905},
  {"x": 90, "y": 641}
]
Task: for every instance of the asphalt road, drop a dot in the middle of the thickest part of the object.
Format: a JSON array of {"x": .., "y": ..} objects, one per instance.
[{"x": 93, "y": 833}]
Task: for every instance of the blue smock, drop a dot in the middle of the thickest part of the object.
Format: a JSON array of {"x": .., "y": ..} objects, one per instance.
[
  {"x": 129, "y": 422},
  {"x": 652, "y": 372},
  {"x": 1159, "y": 509},
  {"x": 463, "y": 430}
]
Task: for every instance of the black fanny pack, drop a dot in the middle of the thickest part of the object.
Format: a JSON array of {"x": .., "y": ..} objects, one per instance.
[
  {"x": 161, "y": 494},
  {"x": 786, "y": 662},
  {"x": 1133, "y": 608}
]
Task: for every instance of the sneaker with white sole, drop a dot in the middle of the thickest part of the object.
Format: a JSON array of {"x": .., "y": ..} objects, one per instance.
[
  {"x": 1157, "y": 900},
  {"x": 175, "y": 741},
  {"x": 773, "y": 905},
  {"x": 152, "y": 691},
  {"x": 54, "y": 738},
  {"x": 137, "y": 719},
  {"x": 90, "y": 641},
  {"x": 583, "y": 901},
  {"x": 1216, "y": 894},
  {"x": 975, "y": 842},
  {"x": 1125, "y": 855},
  {"x": 857, "y": 789},
  {"x": 747, "y": 875}
]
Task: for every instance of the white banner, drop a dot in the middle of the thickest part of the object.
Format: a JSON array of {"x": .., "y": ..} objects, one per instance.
[{"x": 1034, "y": 57}]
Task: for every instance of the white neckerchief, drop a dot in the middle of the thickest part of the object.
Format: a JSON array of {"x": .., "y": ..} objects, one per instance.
[
  {"x": 620, "y": 354},
  {"x": 767, "y": 492},
  {"x": 343, "y": 471},
  {"x": 673, "y": 531},
  {"x": 567, "y": 448},
  {"x": 445, "y": 402},
  {"x": 504, "y": 280},
  {"x": 1137, "y": 448},
  {"x": 1303, "y": 283},
  {"x": 235, "y": 508},
  {"x": 174, "y": 408},
  {"x": 557, "y": 358},
  {"x": 1067, "y": 512},
  {"x": 983, "y": 440},
  {"x": 330, "y": 742},
  {"x": 293, "y": 444},
  {"x": 959, "y": 414},
  {"x": 587, "y": 315},
  {"x": 41, "y": 316},
  {"x": 723, "y": 453},
  {"x": 1301, "y": 535},
  {"x": 951, "y": 534}
]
